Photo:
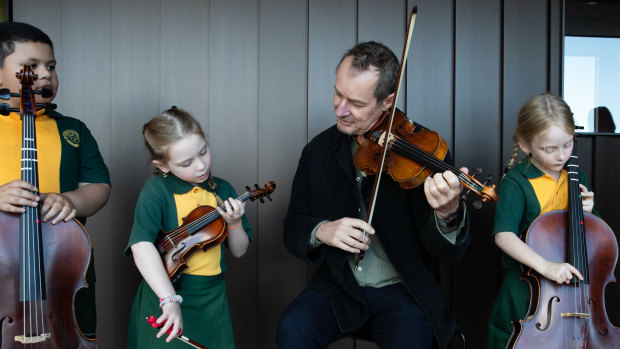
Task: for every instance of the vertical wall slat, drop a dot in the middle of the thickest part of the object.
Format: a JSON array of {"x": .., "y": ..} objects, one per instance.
[
  {"x": 477, "y": 109},
  {"x": 233, "y": 136},
  {"x": 282, "y": 108}
]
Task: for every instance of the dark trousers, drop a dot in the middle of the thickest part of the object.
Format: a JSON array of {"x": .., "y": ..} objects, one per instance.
[{"x": 396, "y": 321}]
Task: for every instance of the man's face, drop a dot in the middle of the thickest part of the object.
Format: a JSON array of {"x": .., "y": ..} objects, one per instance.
[
  {"x": 40, "y": 57},
  {"x": 355, "y": 105}
]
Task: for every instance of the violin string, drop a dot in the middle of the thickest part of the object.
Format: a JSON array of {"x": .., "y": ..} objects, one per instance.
[
  {"x": 405, "y": 146},
  {"x": 198, "y": 223}
]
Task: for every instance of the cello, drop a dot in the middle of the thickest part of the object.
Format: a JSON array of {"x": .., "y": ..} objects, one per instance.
[
  {"x": 42, "y": 266},
  {"x": 570, "y": 315}
]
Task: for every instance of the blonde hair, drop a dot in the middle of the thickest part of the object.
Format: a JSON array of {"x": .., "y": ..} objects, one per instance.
[
  {"x": 167, "y": 128},
  {"x": 536, "y": 115}
]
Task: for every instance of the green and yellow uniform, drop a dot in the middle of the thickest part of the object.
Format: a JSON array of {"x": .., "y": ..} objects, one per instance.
[
  {"x": 163, "y": 203},
  {"x": 67, "y": 155}
]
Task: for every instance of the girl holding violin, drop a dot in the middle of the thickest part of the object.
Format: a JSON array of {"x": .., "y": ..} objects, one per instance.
[
  {"x": 533, "y": 186},
  {"x": 198, "y": 305}
]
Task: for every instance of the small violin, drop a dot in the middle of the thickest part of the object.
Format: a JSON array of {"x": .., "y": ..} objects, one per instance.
[{"x": 203, "y": 228}]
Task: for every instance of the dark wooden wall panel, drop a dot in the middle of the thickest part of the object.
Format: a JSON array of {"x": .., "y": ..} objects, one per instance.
[
  {"x": 282, "y": 133},
  {"x": 325, "y": 18},
  {"x": 233, "y": 136},
  {"x": 430, "y": 69},
  {"x": 477, "y": 139},
  {"x": 524, "y": 61},
  {"x": 606, "y": 193}
]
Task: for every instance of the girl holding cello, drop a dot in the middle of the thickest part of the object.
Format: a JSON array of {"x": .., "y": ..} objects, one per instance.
[
  {"x": 183, "y": 181},
  {"x": 533, "y": 186}
]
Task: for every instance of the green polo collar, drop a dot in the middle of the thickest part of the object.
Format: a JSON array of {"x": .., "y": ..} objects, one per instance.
[
  {"x": 179, "y": 186},
  {"x": 528, "y": 169}
]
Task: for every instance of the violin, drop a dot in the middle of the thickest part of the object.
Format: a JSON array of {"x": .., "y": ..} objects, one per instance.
[
  {"x": 202, "y": 229},
  {"x": 43, "y": 265},
  {"x": 412, "y": 155},
  {"x": 570, "y": 315}
]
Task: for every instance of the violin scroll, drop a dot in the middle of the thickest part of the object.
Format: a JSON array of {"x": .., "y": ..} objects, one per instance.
[{"x": 260, "y": 193}]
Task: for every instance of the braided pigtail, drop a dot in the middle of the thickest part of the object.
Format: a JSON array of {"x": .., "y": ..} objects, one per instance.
[{"x": 513, "y": 158}]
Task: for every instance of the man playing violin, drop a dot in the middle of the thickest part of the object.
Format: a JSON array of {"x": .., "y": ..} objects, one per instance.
[{"x": 393, "y": 295}]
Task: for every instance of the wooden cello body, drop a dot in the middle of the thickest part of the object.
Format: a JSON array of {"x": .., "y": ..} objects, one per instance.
[
  {"x": 42, "y": 266},
  {"x": 570, "y": 315},
  {"x": 48, "y": 322}
]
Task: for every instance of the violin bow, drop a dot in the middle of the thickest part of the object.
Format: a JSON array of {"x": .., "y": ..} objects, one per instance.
[
  {"x": 192, "y": 343},
  {"x": 401, "y": 70}
]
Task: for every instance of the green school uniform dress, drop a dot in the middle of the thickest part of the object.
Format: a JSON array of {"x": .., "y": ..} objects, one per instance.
[
  {"x": 206, "y": 315},
  {"x": 521, "y": 193}
]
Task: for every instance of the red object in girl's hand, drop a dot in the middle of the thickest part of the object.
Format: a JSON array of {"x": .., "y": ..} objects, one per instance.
[{"x": 152, "y": 320}]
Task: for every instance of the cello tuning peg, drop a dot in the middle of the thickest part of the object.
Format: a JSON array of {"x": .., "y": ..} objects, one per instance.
[
  {"x": 5, "y": 94},
  {"x": 5, "y": 109},
  {"x": 44, "y": 92},
  {"x": 47, "y": 106}
]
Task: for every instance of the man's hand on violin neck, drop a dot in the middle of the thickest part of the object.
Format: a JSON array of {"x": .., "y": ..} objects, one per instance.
[
  {"x": 346, "y": 234},
  {"x": 442, "y": 191}
]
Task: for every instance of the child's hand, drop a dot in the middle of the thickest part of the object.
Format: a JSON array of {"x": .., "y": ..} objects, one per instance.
[
  {"x": 234, "y": 211},
  {"x": 57, "y": 206},
  {"x": 587, "y": 198},
  {"x": 562, "y": 273},
  {"x": 16, "y": 194},
  {"x": 171, "y": 314}
]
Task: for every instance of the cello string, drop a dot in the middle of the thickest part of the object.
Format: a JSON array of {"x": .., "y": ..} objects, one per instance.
[{"x": 578, "y": 242}]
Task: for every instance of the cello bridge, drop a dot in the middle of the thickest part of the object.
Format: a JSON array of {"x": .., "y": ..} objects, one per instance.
[
  {"x": 576, "y": 315},
  {"x": 33, "y": 339}
]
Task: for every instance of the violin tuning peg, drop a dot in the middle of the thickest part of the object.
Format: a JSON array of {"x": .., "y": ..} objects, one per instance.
[
  {"x": 477, "y": 170},
  {"x": 489, "y": 178},
  {"x": 262, "y": 201},
  {"x": 247, "y": 188},
  {"x": 269, "y": 197},
  {"x": 256, "y": 186}
]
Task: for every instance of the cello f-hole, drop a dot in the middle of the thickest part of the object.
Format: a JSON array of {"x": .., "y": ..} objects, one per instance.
[{"x": 549, "y": 313}]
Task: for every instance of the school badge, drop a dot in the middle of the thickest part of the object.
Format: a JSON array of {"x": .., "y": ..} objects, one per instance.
[{"x": 72, "y": 137}]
